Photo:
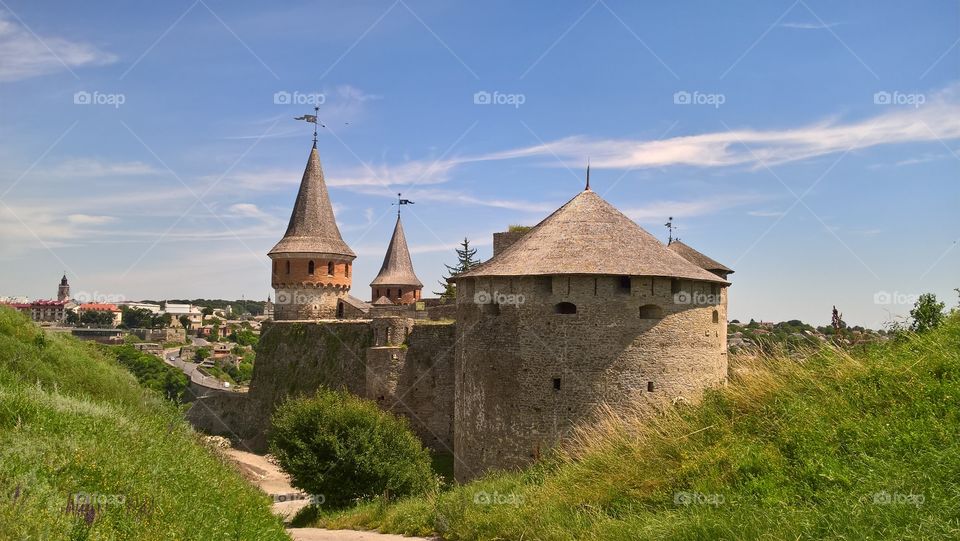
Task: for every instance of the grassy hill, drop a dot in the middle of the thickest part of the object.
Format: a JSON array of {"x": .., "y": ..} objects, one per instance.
[
  {"x": 73, "y": 421},
  {"x": 821, "y": 446}
]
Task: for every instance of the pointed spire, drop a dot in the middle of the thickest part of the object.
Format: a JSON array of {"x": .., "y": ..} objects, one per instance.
[
  {"x": 588, "y": 175},
  {"x": 313, "y": 227},
  {"x": 397, "y": 268}
]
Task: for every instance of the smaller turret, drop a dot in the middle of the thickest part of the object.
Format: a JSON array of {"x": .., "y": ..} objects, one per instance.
[{"x": 396, "y": 280}]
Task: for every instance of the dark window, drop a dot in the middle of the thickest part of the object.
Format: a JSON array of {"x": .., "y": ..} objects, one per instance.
[
  {"x": 650, "y": 311},
  {"x": 310, "y": 267},
  {"x": 346, "y": 270},
  {"x": 565, "y": 308},
  {"x": 675, "y": 286},
  {"x": 330, "y": 268},
  {"x": 556, "y": 384},
  {"x": 649, "y": 386},
  {"x": 623, "y": 284},
  {"x": 288, "y": 267},
  {"x": 399, "y": 293},
  {"x": 388, "y": 293},
  {"x": 716, "y": 316},
  {"x": 274, "y": 267}
]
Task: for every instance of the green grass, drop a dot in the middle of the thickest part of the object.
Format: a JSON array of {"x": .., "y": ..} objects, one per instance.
[
  {"x": 73, "y": 421},
  {"x": 793, "y": 448}
]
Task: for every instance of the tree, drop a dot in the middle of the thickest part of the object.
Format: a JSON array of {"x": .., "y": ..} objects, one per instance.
[
  {"x": 185, "y": 322},
  {"x": 927, "y": 313},
  {"x": 96, "y": 318},
  {"x": 836, "y": 321},
  {"x": 466, "y": 260}
]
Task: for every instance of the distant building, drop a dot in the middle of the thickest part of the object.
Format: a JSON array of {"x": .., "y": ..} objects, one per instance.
[
  {"x": 63, "y": 290},
  {"x": 150, "y": 307},
  {"x": 396, "y": 279},
  {"x": 114, "y": 311},
  {"x": 193, "y": 313}
]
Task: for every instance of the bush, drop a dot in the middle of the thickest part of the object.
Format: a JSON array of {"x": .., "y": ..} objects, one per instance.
[{"x": 346, "y": 448}]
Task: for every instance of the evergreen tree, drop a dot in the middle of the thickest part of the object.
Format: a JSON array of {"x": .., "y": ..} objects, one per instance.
[
  {"x": 466, "y": 260},
  {"x": 927, "y": 313}
]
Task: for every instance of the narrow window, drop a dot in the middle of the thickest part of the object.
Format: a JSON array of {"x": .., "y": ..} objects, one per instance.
[
  {"x": 675, "y": 286},
  {"x": 399, "y": 293},
  {"x": 650, "y": 311},
  {"x": 388, "y": 293},
  {"x": 623, "y": 284},
  {"x": 288, "y": 266},
  {"x": 565, "y": 308},
  {"x": 652, "y": 282},
  {"x": 716, "y": 316},
  {"x": 310, "y": 267},
  {"x": 556, "y": 384},
  {"x": 649, "y": 386},
  {"x": 330, "y": 268},
  {"x": 346, "y": 270},
  {"x": 274, "y": 267}
]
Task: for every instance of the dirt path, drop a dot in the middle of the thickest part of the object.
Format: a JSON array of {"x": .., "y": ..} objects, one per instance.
[{"x": 288, "y": 500}]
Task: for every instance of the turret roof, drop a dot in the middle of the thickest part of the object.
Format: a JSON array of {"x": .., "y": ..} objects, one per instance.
[
  {"x": 698, "y": 258},
  {"x": 397, "y": 268}
]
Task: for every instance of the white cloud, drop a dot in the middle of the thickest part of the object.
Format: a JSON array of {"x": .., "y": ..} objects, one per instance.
[
  {"x": 24, "y": 55},
  {"x": 658, "y": 211},
  {"x": 87, "y": 219}
]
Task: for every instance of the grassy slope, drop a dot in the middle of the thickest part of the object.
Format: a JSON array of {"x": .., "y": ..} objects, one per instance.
[
  {"x": 72, "y": 420},
  {"x": 789, "y": 450}
]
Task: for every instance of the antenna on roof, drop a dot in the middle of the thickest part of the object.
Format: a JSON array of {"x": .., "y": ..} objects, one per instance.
[
  {"x": 669, "y": 226},
  {"x": 400, "y": 202},
  {"x": 587, "y": 189}
]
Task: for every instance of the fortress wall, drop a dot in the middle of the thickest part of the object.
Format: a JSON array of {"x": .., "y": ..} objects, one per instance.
[{"x": 514, "y": 356}]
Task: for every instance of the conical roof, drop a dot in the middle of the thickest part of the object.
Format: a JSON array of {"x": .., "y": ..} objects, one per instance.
[
  {"x": 697, "y": 258},
  {"x": 589, "y": 236},
  {"x": 312, "y": 227},
  {"x": 397, "y": 268}
]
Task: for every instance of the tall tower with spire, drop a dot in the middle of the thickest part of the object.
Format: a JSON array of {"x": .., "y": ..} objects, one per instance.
[
  {"x": 396, "y": 279},
  {"x": 63, "y": 290},
  {"x": 311, "y": 263}
]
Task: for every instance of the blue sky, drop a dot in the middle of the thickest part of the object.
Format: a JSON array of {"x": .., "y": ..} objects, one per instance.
[{"x": 757, "y": 125}]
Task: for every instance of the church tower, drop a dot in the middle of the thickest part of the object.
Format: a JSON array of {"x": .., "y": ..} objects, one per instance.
[
  {"x": 311, "y": 263},
  {"x": 63, "y": 291},
  {"x": 396, "y": 280}
]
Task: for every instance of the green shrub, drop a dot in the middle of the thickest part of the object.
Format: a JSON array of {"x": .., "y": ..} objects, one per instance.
[
  {"x": 151, "y": 372},
  {"x": 346, "y": 448}
]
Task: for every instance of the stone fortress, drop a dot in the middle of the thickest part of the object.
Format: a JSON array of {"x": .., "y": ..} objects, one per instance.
[{"x": 583, "y": 311}]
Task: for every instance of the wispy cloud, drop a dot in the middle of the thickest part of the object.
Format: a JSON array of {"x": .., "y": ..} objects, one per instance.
[
  {"x": 766, "y": 213},
  {"x": 24, "y": 54},
  {"x": 658, "y": 211},
  {"x": 88, "y": 219}
]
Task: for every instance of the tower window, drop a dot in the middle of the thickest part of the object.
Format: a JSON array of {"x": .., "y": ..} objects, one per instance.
[
  {"x": 716, "y": 316},
  {"x": 346, "y": 270},
  {"x": 288, "y": 266},
  {"x": 399, "y": 293},
  {"x": 650, "y": 311},
  {"x": 310, "y": 267},
  {"x": 649, "y": 386},
  {"x": 330, "y": 268},
  {"x": 388, "y": 293},
  {"x": 565, "y": 308},
  {"x": 556, "y": 384},
  {"x": 623, "y": 284},
  {"x": 675, "y": 286}
]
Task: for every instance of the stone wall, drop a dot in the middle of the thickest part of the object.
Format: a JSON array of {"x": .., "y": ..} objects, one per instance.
[
  {"x": 503, "y": 240},
  {"x": 525, "y": 374}
]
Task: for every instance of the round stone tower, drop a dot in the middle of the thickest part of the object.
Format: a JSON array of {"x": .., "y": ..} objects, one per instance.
[
  {"x": 396, "y": 279},
  {"x": 63, "y": 290},
  {"x": 311, "y": 263},
  {"x": 586, "y": 310}
]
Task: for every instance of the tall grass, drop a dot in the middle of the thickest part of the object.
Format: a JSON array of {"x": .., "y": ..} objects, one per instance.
[
  {"x": 74, "y": 423},
  {"x": 824, "y": 445}
]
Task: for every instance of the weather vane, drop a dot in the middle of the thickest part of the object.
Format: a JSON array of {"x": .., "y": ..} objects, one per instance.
[
  {"x": 588, "y": 175},
  {"x": 313, "y": 120},
  {"x": 400, "y": 202},
  {"x": 670, "y": 227}
]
